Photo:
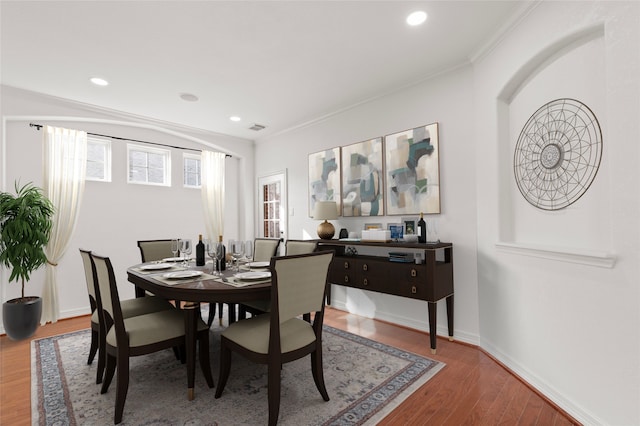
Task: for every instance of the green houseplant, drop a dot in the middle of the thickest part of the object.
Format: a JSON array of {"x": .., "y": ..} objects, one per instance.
[{"x": 25, "y": 227}]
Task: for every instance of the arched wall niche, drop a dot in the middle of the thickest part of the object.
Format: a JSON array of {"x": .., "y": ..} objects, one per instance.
[{"x": 571, "y": 67}]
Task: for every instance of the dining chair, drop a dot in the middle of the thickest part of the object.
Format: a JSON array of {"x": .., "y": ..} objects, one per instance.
[
  {"x": 138, "y": 335},
  {"x": 291, "y": 247},
  {"x": 154, "y": 250},
  {"x": 265, "y": 248},
  {"x": 130, "y": 308},
  {"x": 298, "y": 288}
]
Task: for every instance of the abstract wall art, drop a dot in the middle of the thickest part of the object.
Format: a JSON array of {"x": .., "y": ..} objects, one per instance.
[
  {"x": 324, "y": 177},
  {"x": 412, "y": 171},
  {"x": 362, "y": 177}
]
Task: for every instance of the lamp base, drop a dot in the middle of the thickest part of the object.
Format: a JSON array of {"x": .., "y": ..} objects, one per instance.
[{"x": 326, "y": 231}]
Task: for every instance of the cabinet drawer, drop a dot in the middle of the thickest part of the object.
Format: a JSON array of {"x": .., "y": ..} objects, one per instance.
[{"x": 342, "y": 271}]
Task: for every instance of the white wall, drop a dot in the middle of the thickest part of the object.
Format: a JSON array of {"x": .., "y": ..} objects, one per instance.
[
  {"x": 115, "y": 215},
  {"x": 564, "y": 315},
  {"x": 448, "y": 101},
  {"x": 559, "y": 294}
]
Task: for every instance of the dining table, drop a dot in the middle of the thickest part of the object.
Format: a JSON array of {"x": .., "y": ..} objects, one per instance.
[{"x": 190, "y": 285}]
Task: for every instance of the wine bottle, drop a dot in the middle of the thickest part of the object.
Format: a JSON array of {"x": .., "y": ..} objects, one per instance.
[
  {"x": 223, "y": 261},
  {"x": 422, "y": 230},
  {"x": 200, "y": 252}
]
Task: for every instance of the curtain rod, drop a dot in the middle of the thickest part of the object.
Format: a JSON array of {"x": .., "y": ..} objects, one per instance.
[{"x": 39, "y": 126}]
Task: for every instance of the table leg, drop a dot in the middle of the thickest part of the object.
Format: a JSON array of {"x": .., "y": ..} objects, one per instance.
[
  {"x": 433, "y": 310},
  {"x": 450, "y": 316},
  {"x": 191, "y": 311}
]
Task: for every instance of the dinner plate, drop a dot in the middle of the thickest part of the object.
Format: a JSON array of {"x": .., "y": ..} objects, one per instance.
[
  {"x": 249, "y": 276},
  {"x": 156, "y": 266},
  {"x": 258, "y": 264},
  {"x": 182, "y": 274},
  {"x": 173, "y": 259}
]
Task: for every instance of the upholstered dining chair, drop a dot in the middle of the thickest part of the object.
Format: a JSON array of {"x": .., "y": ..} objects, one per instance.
[
  {"x": 298, "y": 288},
  {"x": 291, "y": 247},
  {"x": 130, "y": 308},
  {"x": 265, "y": 248},
  {"x": 138, "y": 335}
]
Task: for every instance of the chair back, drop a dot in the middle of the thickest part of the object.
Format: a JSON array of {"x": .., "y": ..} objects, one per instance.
[
  {"x": 109, "y": 300},
  {"x": 265, "y": 248},
  {"x": 151, "y": 250},
  {"x": 292, "y": 247},
  {"x": 89, "y": 278},
  {"x": 299, "y": 283}
]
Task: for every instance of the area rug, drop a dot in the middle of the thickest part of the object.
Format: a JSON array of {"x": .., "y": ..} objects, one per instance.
[{"x": 365, "y": 380}]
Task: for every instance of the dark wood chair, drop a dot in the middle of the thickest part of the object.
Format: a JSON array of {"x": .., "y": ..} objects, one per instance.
[
  {"x": 298, "y": 289},
  {"x": 130, "y": 308},
  {"x": 138, "y": 335}
]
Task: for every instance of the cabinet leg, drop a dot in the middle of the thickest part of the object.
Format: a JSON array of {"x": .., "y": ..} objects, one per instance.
[
  {"x": 433, "y": 311},
  {"x": 450, "y": 316}
]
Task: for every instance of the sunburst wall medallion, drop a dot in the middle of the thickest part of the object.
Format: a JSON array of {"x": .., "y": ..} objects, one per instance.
[{"x": 558, "y": 154}]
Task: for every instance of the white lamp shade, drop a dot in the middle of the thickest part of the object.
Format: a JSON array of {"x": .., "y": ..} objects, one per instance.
[{"x": 325, "y": 210}]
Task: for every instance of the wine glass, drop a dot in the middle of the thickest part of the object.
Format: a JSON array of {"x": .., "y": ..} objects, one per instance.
[
  {"x": 185, "y": 248},
  {"x": 237, "y": 250},
  {"x": 175, "y": 246},
  {"x": 248, "y": 250},
  {"x": 210, "y": 248},
  {"x": 220, "y": 252}
]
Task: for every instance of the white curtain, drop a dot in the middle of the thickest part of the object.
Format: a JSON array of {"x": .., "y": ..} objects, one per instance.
[
  {"x": 213, "y": 192},
  {"x": 65, "y": 165}
]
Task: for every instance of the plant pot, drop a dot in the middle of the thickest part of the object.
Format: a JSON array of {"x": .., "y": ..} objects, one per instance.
[{"x": 21, "y": 316}]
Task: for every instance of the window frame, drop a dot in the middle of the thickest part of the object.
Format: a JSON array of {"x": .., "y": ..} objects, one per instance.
[
  {"x": 158, "y": 151},
  {"x": 106, "y": 164},
  {"x": 198, "y": 157}
]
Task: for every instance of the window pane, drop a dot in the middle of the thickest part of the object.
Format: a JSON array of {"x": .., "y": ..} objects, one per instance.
[{"x": 149, "y": 166}]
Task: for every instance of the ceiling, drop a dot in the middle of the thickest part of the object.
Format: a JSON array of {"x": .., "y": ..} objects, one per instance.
[{"x": 280, "y": 64}]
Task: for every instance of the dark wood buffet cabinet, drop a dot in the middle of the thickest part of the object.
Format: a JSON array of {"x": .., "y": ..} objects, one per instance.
[{"x": 431, "y": 280}]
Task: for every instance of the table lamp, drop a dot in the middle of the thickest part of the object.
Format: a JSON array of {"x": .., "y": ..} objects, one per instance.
[{"x": 325, "y": 210}]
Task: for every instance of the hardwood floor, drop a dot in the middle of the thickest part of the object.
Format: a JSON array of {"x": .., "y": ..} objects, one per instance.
[{"x": 472, "y": 389}]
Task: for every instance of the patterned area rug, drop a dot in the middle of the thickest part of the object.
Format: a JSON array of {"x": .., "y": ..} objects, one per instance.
[{"x": 365, "y": 380}]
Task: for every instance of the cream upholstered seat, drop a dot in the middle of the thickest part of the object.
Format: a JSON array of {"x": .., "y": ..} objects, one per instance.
[
  {"x": 152, "y": 250},
  {"x": 138, "y": 335},
  {"x": 298, "y": 288},
  {"x": 256, "y": 307},
  {"x": 130, "y": 308},
  {"x": 265, "y": 248}
]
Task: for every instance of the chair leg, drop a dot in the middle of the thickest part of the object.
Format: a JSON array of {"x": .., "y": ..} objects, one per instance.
[
  {"x": 212, "y": 313},
  {"x": 122, "y": 386},
  {"x": 220, "y": 312},
  {"x": 318, "y": 374},
  {"x": 205, "y": 363},
  {"x": 225, "y": 367},
  {"x": 94, "y": 346},
  {"x": 102, "y": 355},
  {"x": 108, "y": 375},
  {"x": 273, "y": 393}
]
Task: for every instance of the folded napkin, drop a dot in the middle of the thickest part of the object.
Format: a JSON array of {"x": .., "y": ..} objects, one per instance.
[
  {"x": 235, "y": 282},
  {"x": 176, "y": 281}
]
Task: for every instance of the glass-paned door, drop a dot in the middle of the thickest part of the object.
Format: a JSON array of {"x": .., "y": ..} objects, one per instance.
[{"x": 273, "y": 205}]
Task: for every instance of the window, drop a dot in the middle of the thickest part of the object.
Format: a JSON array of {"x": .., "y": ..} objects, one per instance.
[
  {"x": 98, "y": 159},
  {"x": 151, "y": 166},
  {"x": 192, "y": 171}
]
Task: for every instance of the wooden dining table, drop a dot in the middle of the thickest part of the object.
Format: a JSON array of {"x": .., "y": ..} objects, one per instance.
[{"x": 191, "y": 292}]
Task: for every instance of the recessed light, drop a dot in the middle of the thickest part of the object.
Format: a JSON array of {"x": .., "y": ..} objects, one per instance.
[
  {"x": 189, "y": 97},
  {"x": 234, "y": 118},
  {"x": 416, "y": 18},
  {"x": 99, "y": 81}
]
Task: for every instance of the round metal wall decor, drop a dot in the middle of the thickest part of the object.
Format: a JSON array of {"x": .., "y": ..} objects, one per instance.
[{"x": 558, "y": 154}]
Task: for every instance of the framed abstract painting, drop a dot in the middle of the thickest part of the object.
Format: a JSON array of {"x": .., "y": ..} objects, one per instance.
[
  {"x": 412, "y": 169},
  {"x": 362, "y": 187},
  {"x": 324, "y": 178}
]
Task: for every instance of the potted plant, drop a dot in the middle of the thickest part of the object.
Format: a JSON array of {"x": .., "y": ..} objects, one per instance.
[{"x": 25, "y": 227}]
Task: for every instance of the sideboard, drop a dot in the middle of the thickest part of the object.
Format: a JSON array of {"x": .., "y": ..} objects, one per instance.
[{"x": 431, "y": 280}]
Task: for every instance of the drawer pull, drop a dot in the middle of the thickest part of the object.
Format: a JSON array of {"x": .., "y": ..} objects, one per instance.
[
  {"x": 346, "y": 265},
  {"x": 414, "y": 273},
  {"x": 365, "y": 282},
  {"x": 414, "y": 290},
  {"x": 365, "y": 267},
  {"x": 346, "y": 278}
]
